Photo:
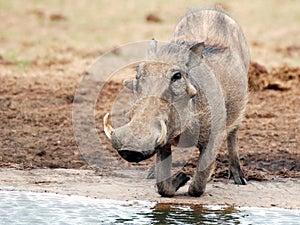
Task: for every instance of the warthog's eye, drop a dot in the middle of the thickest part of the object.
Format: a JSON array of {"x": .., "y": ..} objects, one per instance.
[{"x": 176, "y": 76}]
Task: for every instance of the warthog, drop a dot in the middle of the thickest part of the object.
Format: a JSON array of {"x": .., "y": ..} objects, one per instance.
[{"x": 192, "y": 91}]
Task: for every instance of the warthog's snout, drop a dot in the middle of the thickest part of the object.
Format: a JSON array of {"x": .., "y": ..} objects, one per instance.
[
  {"x": 133, "y": 156},
  {"x": 138, "y": 146}
]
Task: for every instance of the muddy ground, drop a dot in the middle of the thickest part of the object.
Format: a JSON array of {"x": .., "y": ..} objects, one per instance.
[
  {"x": 37, "y": 130},
  {"x": 40, "y": 73}
]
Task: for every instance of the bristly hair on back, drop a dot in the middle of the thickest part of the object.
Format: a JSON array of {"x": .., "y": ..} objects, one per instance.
[{"x": 213, "y": 26}]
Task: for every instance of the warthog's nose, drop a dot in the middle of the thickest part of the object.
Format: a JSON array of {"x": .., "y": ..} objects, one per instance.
[{"x": 132, "y": 156}]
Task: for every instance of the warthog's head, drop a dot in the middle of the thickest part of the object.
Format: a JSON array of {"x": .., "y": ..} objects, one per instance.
[{"x": 164, "y": 94}]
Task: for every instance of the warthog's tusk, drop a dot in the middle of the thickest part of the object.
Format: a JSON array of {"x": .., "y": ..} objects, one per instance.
[
  {"x": 108, "y": 129},
  {"x": 163, "y": 134}
]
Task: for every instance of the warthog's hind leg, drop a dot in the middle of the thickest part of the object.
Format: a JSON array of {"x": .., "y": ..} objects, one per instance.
[
  {"x": 234, "y": 162},
  {"x": 151, "y": 173},
  {"x": 167, "y": 184}
]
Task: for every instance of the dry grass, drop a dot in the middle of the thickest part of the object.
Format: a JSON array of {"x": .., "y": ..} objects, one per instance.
[{"x": 54, "y": 30}]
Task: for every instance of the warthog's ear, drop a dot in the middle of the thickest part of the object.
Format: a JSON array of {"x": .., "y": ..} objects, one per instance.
[
  {"x": 194, "y": 54},
  {"x": 198, "y": 49},
  {"x": 152, "y": 49},
  {"x": 128, "y": 84}
]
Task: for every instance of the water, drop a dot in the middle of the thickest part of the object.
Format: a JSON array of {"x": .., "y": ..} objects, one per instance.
[{"x": 45, "y": 208}]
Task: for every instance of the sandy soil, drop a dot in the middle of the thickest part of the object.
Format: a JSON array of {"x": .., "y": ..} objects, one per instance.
[
  {"x": 39, "y": 76},
  {"x": 132, "y": 187}
]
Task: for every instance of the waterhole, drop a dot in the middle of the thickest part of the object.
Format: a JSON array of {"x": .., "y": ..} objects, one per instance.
[{"x": 18, "y": 207}]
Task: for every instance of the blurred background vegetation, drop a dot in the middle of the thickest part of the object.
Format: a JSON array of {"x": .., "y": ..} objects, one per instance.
[{"x": 32, "y": 31}]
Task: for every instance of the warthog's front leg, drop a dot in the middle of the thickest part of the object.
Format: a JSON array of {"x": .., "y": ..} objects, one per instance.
[
  {"x": 234, "y": 167},
  {"x": 201, "y": 176},
  {"x": 167, "y": 184}
]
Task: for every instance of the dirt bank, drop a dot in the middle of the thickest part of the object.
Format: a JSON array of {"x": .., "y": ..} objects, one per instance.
[
  {"x": 37, "y": 130},
  {"x": 282, "y": 193}
]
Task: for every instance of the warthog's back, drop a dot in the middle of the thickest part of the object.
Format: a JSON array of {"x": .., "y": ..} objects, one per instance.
[
  {"x": 217, "y": 29},
  {"x": 226, "y": 53}
]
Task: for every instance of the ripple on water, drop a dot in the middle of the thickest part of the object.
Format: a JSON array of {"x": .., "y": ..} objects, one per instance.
[{"x": 45, "y": 208}]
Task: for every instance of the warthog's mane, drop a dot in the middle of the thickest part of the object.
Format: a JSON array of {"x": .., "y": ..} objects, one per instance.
[{"x": 213, "y": 26}]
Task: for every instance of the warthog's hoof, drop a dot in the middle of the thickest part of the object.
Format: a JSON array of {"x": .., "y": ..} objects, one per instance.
[
  {"x": 238, "y": 177},
  {"x": 166, "y": 194},
  {"x": 240, "y": 181},
  {"x": 195, "y": 192},
  {"x": 167, "y": 189},
  {"x": 181, "y": 179}
]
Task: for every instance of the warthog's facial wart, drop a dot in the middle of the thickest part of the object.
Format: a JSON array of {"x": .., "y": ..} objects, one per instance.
[{"x": 164, "y": 94}]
